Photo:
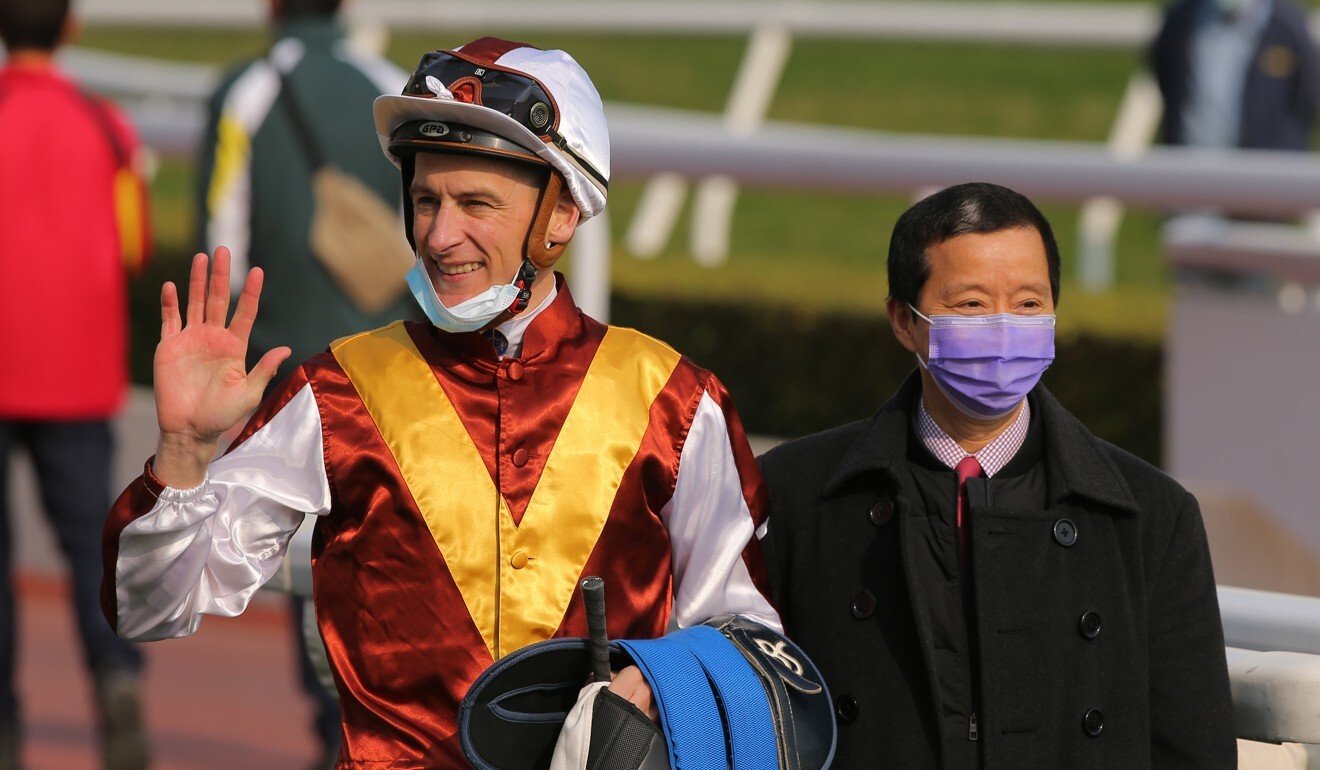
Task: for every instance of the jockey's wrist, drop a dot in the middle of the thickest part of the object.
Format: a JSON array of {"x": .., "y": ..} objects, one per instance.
[{"x": 181, "y": 460}]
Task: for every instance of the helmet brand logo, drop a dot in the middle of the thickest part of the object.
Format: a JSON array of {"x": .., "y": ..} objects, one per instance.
[{"x": 433, "y": 129}]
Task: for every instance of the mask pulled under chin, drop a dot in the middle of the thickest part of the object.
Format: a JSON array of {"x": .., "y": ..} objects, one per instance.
[
  {"x": 986, "y": 365},
  {"x": 469, "y": 315}
]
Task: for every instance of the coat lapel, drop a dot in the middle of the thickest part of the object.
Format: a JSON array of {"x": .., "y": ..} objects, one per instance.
[{"x": 1074, "y": 461}]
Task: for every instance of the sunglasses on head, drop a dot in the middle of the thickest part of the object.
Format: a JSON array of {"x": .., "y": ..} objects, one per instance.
[{"x": 514, "y": 94}]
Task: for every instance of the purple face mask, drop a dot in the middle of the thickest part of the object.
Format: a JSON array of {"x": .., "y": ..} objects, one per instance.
[{"x": 986, "y": 364}]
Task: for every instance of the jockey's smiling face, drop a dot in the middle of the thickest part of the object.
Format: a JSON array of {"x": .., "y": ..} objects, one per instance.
[{"x": 471, "y": 215}]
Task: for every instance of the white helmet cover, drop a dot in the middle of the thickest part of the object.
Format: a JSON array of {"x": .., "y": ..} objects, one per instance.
[{"x": 575, "y": 142}]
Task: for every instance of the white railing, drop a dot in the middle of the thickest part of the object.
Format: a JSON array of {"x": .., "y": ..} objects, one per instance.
[
  {"x": 648, "y": 141},
  {"x": 770, "y": 28},
  {"x": 669, "y": 146},
  {"x": 1270, "y": 621},
  {"x": 1276, "y": 696}
]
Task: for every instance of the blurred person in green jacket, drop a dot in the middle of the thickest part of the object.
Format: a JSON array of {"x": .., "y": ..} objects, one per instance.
[{"x": 292, "y": 180}]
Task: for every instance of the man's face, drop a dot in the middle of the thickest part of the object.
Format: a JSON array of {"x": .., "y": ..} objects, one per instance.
[
  {"x": 470, "y": 219},
  {"x": 978, "y": 274}
]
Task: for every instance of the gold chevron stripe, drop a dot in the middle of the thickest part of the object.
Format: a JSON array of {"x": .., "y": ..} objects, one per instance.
[
  {"x": 436, "y": 456},
  {"x": 567, "y": 511},
  {"x": 517, "y": 581}
]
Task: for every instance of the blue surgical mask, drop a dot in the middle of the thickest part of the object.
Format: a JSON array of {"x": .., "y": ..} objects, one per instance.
[
  {"x": 986, "y": 364},
  {"x": 469, "y": 315}
]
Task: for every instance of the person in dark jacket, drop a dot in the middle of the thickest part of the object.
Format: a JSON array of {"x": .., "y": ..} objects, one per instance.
[
  {"x": 983, "y": 582},
  {"x": 1237, "y": 74}
]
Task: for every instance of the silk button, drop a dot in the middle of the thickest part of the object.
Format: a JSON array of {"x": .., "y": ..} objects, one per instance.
[
  {"x": 515, "y": 370},
  {"x": 519, "y": 457},
  {"x": 519, "y": 559}
]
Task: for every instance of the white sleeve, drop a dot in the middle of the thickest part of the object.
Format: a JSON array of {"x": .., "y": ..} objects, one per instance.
[
  {"x": 709, "y": 525},
  {"x": 207, "y": 550}
]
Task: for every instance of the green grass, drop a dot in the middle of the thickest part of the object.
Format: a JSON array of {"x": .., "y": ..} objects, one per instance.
[
  {"x": 205, "y": 46},
  {"x": 799, "y": 247}
]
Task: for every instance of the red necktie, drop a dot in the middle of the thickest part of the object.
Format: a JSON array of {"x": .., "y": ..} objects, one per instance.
[{"x": 968, "y": 467}]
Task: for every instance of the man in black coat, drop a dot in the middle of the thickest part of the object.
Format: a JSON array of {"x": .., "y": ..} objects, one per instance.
[
  {"x": 1237, "y": 74},
  {"x": 982, "y": 582}
]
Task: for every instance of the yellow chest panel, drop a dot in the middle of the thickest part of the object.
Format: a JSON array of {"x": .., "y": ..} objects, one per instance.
[{"x": 516, "y": 581}]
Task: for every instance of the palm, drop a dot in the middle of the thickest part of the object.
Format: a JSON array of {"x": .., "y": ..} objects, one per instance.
[{"x": 202, "y": 385}]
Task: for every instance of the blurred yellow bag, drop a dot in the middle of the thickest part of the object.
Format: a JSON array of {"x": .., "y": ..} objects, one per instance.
[
  {"x": 355, "y": 235},
  {"x": 359, "y": 239}
]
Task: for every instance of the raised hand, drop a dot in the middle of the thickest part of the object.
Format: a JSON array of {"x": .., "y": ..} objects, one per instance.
[{"x": 202, "y": 384}]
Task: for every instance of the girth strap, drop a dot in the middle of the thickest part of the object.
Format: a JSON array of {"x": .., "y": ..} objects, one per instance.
[
  {"x": 689, "y": 715},
  {"x": 742, "y": 698},
  {"x": 712, "y": 704}
]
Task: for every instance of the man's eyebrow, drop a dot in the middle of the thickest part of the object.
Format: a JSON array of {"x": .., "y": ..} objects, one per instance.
[
  {"x": 477, "y": 191},
  {"x": 959, "y": 288}
]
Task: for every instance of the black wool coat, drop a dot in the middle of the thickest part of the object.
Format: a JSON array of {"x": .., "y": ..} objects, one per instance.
[{"x": 1100, "y": 638}]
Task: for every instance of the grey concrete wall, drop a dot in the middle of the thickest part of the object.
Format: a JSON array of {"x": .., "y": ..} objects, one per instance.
[{"x": 1242, "y": 404}]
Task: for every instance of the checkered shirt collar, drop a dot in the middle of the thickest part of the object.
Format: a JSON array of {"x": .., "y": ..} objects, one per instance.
[{"x": 993, "y": 456}]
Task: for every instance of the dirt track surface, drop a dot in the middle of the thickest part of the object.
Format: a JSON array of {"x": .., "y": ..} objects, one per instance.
[{"x": 224, "y": 698}]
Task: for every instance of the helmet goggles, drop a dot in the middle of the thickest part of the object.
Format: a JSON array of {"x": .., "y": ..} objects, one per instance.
[{"x": 514, "y": 94}]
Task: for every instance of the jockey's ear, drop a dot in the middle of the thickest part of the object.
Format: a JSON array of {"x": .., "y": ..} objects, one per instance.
[{"x": 564, "y": 220}]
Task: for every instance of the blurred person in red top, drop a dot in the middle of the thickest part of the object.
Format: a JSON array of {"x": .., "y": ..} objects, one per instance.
[{"x": 72, "y": 219}]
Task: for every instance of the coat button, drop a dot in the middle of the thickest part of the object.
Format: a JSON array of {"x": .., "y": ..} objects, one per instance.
[
  {"x": 863, "y": 605},
  {"x": 1093, "y": 723},
  {"x": 845, "y": 708},
  {"x": 519, "y": 457},
  {"x": 882, "y": 512},
  {"x": 1065, "y": 532},
  {"x": 518, "y": 560},
  {"x": 1089, "y": 624},
  {"x": 515, "y": 370}
]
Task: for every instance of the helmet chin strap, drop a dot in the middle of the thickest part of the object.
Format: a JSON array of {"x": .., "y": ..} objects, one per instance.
[
  {"x": 538, "y": 252},
  {"x": 537, "y": 247}
]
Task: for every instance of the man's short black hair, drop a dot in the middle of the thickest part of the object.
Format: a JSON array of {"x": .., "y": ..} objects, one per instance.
[
  {"x": 290, "y": 9},
  {"x": 32, "y": 24},
  {"x": 974, "y": 207}
]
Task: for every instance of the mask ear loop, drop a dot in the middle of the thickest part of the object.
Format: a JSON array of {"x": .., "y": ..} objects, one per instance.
[{"x": 918, "y": 314}]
